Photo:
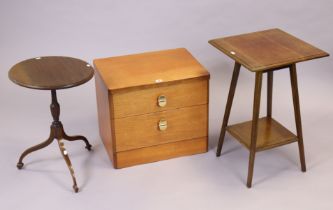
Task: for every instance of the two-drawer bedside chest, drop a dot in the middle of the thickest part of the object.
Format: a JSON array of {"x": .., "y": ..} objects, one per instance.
[{"x": 152, "y": 106}]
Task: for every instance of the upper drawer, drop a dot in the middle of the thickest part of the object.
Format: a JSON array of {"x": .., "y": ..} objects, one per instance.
[{"x": 160, "y": 98}]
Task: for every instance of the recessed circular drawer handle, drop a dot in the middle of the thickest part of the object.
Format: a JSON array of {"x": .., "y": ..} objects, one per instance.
[
  {"x": 162, "y": 125},
  {"x": 161, "y": 101}
]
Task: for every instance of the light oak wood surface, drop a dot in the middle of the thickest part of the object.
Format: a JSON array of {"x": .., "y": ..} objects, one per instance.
[
  {"x": 142, "y": 101},
  {"x": 142, "y": 130},
  {"x": 127, "y": 90},
  {"x": 149, "y": 69},
  {"x": 162, "y": 152},
  {"x": 105, "y": 121}
]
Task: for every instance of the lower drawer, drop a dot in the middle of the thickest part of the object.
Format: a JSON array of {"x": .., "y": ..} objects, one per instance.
[
  {"x": 144, "y": 130},
  {"x": 160, "y": 152}
]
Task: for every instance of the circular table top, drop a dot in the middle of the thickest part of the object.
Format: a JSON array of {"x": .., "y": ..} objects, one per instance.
[{"x": 51, "y": 72}]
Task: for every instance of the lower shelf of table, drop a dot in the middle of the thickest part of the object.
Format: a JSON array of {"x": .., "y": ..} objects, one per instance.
[{"x": 270, "y": 134}]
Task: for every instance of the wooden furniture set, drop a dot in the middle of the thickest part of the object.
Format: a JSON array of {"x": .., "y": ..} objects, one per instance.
[{"x": 154, "y": 106}]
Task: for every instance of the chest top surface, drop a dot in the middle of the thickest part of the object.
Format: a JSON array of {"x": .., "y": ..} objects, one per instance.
[
  {"x": 269, "y": 49},
  {"x": 148, "y": 68},
  {"x": 52, "y": 72}
]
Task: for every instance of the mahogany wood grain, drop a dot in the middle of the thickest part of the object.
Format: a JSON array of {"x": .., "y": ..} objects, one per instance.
[
  {"x": 162, "y": 152},
  {"x": 51, "y": 72},
  {"x": 142, "y": 101},
  {"x": 268, "y": 49},
  {"x": 142, "y": 130}
]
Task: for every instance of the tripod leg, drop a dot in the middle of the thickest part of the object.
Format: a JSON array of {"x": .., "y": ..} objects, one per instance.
[
  {"x": 68, "y": 162},
  {"x": 35, "y": 148},
  {"x": 75, "y": 138}
]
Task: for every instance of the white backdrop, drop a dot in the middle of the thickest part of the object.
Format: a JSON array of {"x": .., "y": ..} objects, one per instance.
[{"x": 94, "y": 29}]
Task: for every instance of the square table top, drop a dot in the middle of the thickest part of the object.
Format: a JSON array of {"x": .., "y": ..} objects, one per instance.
[{"x": 268, "y": 49}]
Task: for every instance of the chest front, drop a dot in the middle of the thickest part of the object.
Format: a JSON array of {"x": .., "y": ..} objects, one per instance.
[{"x": 152, "y": 106}]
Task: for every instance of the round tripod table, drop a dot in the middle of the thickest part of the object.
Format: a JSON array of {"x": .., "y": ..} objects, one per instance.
[{"x": 53, "y": 73}]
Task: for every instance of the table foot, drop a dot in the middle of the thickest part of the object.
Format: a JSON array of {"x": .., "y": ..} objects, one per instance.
[
  {"x": 76, "y": 189},
  {"x": 19, "y": 165}
]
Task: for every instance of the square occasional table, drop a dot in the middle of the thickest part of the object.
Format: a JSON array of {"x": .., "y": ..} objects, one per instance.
[{"x": 264, "y": 52}]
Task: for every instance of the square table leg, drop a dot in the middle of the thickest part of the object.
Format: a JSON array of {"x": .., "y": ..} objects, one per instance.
[
  {"x": 294, "y": 87},
  {"x": 269, "y": 93},
  {"x": 231, "y": 94},
  {"x": 254, "y": 130}
]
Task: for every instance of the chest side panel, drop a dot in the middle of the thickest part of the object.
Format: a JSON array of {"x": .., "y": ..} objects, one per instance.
[{"x": 104, "y": 116}]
